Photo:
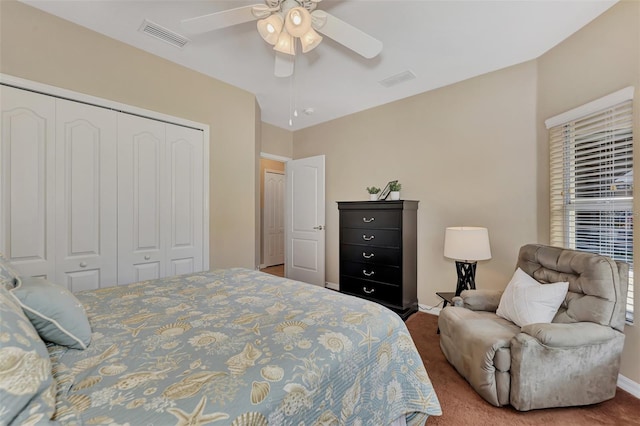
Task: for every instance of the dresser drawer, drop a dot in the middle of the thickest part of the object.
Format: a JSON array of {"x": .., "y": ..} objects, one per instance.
[
  {"x": 370, "y": 254},
  {"x": 368, "y": 271},
  {"x": 372, "y": 237},
  {"x": 379, "y": 292},
  {"x": 371, "y": 219}
]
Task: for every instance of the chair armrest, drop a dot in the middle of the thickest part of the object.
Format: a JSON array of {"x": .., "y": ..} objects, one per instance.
[
  {"x": 559, "y": 335},
  {"x": 479, "y": 300}
]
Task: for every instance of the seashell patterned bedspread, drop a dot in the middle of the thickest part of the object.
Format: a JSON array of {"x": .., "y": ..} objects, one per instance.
[{"x": 239, "y": 347}]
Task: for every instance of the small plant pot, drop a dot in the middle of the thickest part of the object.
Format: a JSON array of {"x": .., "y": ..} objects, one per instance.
[
  {"x": 373, "y": 197},
  {"x": 395, "y": 195}
]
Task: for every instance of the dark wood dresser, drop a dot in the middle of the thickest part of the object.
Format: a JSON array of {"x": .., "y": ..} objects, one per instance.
[{"x": 378, "y": 245}]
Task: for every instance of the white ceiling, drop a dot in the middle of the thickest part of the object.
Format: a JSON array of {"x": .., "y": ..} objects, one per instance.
[{"x": 441, "y": 42}]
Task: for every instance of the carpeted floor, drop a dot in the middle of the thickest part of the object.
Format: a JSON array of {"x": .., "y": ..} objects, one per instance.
[{"x": 462, "y": 406}]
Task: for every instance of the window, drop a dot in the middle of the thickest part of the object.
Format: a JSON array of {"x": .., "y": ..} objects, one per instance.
[{"x": 591, "y": 171}]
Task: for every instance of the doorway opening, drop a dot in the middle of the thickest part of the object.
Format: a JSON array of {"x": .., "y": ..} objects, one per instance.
[{"x": 272, "y": 202}]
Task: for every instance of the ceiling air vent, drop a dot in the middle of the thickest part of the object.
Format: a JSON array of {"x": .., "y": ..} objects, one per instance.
[
  {"x": 161, "y": 33},
  {"x": 397, "y": 79}
]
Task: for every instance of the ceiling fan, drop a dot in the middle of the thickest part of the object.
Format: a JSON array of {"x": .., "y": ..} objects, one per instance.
[{"x": 282, "y": 22}]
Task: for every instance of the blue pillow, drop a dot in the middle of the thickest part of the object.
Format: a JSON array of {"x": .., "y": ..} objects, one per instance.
[
  {"x": 27, "y": 387},
  {"x": 58, "y": 316}
]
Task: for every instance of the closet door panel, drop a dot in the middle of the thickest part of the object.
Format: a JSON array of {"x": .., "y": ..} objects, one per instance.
[
  {"x": 184, "y": 224},
  {"x": 142, "y": 189},
  {"x": 27, "y": 156},
  {"x": 86, "y": 197}
]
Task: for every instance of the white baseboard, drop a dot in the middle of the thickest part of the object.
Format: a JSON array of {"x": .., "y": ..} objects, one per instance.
[
  {"x": 332, "y": 286},
  {"x": 629, "y": 385}
]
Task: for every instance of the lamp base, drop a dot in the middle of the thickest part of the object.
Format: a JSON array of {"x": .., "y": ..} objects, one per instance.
[{"x": 466, "y": 276}]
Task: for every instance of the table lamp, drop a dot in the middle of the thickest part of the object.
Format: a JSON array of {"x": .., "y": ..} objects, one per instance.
[{"x": 466, "y": 245}]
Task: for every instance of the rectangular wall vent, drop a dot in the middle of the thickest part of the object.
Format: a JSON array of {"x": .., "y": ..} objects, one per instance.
[
  {"x": 161, "y": 33},
  {"x": 397, "y": 79}
]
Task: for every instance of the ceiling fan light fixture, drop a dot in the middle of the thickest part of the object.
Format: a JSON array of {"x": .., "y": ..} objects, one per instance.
[
  {"x": 298, "y": 21},
  {"x": 270, "y": 28},
  {"x": 285, "y": 43},
  {"x": 310, "y": 40}
]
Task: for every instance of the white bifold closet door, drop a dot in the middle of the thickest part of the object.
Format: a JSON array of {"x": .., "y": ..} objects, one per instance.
[
  {"x": 59, "y": 196},
  {"x": 27, "y": 163},
  {"x": 160, "y": 210},
  {"x": 91, "y": 197},
  {"x": 86, "y": 196}
]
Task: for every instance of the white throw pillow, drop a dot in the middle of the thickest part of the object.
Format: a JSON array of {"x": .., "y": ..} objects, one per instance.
[{"x": 526, "y": 301}]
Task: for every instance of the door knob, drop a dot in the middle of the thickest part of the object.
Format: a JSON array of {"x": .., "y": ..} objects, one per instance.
[
  {"x": 147, "y": 257},
  {"x": 319, "y": 227},
  {"x": 83, "y": 264}
]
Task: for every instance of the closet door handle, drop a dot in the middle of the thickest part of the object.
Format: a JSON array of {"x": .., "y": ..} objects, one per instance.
[
  {"x": 364, "y": 237},
  {"x": 365, "y": 220},
  {"x": 368, "y": 291},
  {"x": 367, "y": 274},
  {"x": 367, "y": 256}
]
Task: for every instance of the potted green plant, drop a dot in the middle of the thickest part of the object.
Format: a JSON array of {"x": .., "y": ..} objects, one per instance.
[
  {"x": 373, "y": 193},
  {"x": 395, "y": 187}
]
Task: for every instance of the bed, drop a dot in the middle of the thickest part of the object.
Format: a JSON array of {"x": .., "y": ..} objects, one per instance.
[{"x": 229, "y": 347}]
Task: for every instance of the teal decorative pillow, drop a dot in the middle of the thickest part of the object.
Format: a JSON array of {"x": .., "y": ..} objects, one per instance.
[
  {"x": 27, "y": 387},
  {"x": 58, "y": 316},
  {"x": 8, "y": 275}
]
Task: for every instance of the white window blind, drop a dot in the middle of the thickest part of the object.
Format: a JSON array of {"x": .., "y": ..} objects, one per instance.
[{"x": 592, "y": 185}]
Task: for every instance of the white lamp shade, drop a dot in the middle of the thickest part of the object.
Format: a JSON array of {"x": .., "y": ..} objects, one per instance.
[
  {"x": 467, "y": 243},
  {"x": 286, "y": 43},
  {"x": 298, "y": 21},
  {"x": 270, "y": 27},
  {"x": 310, "y": 40}
]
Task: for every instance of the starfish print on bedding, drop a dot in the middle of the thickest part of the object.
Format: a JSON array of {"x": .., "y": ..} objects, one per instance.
[
  {"x": 196, "y": 417},
  {"x": 367, "y": 338}
]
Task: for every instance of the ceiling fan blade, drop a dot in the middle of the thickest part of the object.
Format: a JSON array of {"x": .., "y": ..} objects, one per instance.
[
  {"x": 217, "y": 20},
  {"x": 346, "y": 34},
  {"x": 284, "y": 65}
]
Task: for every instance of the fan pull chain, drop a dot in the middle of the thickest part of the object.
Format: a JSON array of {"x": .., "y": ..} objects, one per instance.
[{"x": 293, "y": 110}]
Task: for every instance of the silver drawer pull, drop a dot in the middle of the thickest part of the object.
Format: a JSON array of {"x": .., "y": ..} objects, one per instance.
[
  {"x": 83, "y": 264},
  {"x": 368, "y": 291},
  {"x": 365, "y": 220},
  {"x": 368, "y": 274},
  {"x": 147, "y": 257},
  {"x": 364, "y": 237},
  {"x": 367, "y": 256}
]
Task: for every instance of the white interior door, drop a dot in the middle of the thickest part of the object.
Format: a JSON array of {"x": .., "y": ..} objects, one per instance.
[
  {"x": 305, "y": 218},
  {"x": 27, "y": 189},
  {"x": 142, "y": 202},
  {"x": 273, "y": 229},
  {"x": 86, "y": 196}
]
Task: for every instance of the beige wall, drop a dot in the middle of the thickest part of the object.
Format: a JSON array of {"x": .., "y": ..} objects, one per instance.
[
  {"x": 40, "y": 47},
  {"x": 476, "y": 153},
  {"x": 277, "y": 141},
  {"x": 467, "y": 152},
  {"x": 600, "y": 59}
]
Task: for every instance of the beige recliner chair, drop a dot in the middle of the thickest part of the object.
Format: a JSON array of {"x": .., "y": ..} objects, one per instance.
[{"x": 572, "y": 361}]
